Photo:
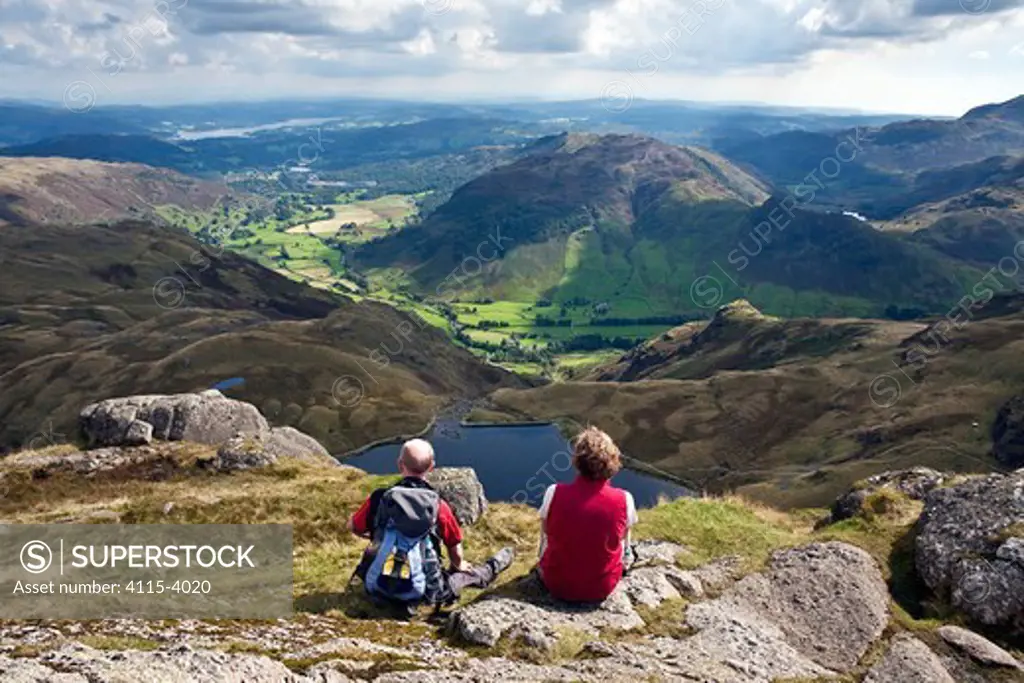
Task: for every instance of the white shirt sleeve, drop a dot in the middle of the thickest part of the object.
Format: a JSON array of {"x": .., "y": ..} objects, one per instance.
[
  {"x": 545, "y": 506},
  {"x": 631, "y": 516}
]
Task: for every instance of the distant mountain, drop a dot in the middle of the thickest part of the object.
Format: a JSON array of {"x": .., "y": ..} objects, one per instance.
[
  {"x": 974, "y": 212},
  {"x": 633, "y": 222},
  {"x": 323, "y": 147},
  {"x": 565, "y": 213},
  {"x": 22, "y": 123},
  {"x": 1009, "y": 111},
  {"x": 139, "y": 149},
  {"x": 68, "y": 191},
  {"x": 885, "y": 176}
]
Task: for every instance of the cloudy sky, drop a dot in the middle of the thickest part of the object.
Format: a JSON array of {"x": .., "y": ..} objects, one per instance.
[{"x": 927, "y": 56}]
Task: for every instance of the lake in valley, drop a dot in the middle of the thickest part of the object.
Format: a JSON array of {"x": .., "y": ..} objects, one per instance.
[{"x": 514, "y": 463}]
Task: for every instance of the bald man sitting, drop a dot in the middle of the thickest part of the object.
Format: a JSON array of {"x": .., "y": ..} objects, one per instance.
[{"x": 408, "y": 523}]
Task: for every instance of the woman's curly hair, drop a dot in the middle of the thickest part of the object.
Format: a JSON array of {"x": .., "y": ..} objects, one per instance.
[{"x": 595, "y": 455}]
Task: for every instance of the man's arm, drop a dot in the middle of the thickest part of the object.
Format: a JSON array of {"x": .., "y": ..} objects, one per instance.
[
  {"x": 459, "y": 563},
  {"x": 451, "y": 535},
  {"x": 358, "y": 523}
]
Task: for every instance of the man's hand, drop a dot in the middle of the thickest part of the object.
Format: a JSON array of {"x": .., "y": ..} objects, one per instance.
[{"x": 461, "y": 567}]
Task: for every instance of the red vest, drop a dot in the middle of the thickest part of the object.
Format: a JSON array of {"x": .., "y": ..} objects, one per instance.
[{"x": 585, "y": 526}]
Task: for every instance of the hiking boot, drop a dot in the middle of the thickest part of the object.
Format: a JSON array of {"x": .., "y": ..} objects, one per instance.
[{"x": 502, "y": 560}]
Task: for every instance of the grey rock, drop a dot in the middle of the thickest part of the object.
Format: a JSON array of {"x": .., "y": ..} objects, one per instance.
[
  {"x": 1008, "y": 433},
  {"x": 660, "y": 552},
  {"x": 960, "y": 535},
  {"x": 915, "y": 483},
  {"x": 243, "y": 452},
  {"x": 247, "y": 451},
  {"x": 813, "y": 613},
  {"x": 651, "y": 586},
  {"x": 462, "y": 490},
  {"x": 288, "y": 442},
  {"x": 829, "y": 600},
  {"x": 86, "y": 462},
  {"x": 538, "y": 620},
  {"x": 978, "y": 648},
  {"x": 1012, "y": 550},
  {"x": 719, "y": 574},
  {"x": 21, "y": 670},
  {"x": 139, "y": 433},
  {"x": 541, "y": 620},
  {"x": 208, "y": 417},
  {"x": 76, "y": 663},
  {"x": 908, "y": 660}
]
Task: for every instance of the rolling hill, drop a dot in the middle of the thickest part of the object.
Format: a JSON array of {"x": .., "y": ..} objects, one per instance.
[
  {"x": 23, "y": 123},
  {"x": 91, "y": 311},
  {"x": 793, "y": 411},
  {"x": 977, "y": 214},
  {"x": 898, "y": 165},
  {"x": 635, "y": 223},
  {"x": 65, "y": 191}
]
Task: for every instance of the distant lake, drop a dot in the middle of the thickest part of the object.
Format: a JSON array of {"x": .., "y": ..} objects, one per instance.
[
  {"x": 242, "y": 132},
  {"x": 514, "y": 463}
]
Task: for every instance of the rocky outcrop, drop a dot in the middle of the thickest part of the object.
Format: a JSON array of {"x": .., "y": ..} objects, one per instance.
[
  {"x": 967, "y": 544},
  {"x": 208, "y": 417},
  {"x": 908, "y": 660},
  {"x": 84, "y": 462},
  {"x": 1008, "y": 433},
  {"x": 538, "y": 620},
  {"x": 81, "y": 664},
  {"x": 462, "y": 490},
  {"x": 978, "y": 648},
  {"x": 246, "y": 451},
  {"x": 913, "y": 483},
  {"x": 244, "y": 437},
  {"x": 813, "y": 613},
  {"x": 828, "y": 601}
]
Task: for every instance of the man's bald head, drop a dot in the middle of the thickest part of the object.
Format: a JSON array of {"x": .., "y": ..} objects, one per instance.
[{"x": 416, "y": 458}]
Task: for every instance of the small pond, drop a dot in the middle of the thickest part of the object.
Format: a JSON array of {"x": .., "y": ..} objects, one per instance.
[{"x": 514, "y": 463}]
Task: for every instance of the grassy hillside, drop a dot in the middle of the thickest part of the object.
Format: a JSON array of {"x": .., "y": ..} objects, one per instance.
[
  {"x": 793, "y": 411},
  {"x": 974, "y": 213},
  {"x": 634, "y": 228},
  {"x": 54, "y": 190},
  {"x": 89, "y": 312},
  {"x": 549, "y": 213}
]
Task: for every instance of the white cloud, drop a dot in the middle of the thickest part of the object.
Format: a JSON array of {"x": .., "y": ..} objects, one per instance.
[{"x": 740, "y": 49}]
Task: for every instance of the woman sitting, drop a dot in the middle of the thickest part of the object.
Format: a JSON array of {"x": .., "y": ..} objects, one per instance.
[{"x": 585, "y": 524}]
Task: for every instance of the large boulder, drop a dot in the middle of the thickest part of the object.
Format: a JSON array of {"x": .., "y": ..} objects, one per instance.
[
  {"x": 208, "y": 417},
  {"x": 1008, "y": 433},
  {"x": 462, "y": 490},
  {"x": 827, "y": 601},
  {"x": 914, "y": 483},
  {"x": 967, "y": 544}
]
